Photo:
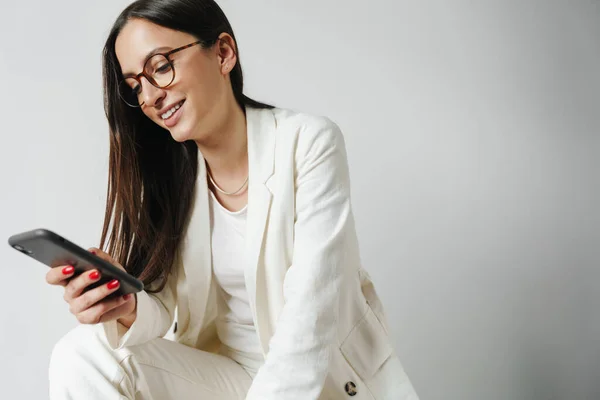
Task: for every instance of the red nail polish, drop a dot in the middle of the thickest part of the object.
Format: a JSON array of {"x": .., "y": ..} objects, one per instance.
[
  {"x": 93, "y": 252},
  {"x": 113, "y": 284},
  {"x": 127, "y": 296},
  {"x": 94, "y": 275},
  {"x": 68, "y": 270}
]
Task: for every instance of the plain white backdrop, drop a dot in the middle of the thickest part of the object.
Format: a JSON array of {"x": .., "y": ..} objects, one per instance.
[{"x": 473, "y": 132}]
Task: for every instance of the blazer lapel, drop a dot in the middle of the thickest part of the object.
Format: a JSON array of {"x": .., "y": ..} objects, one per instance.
[{"x": 261, "y": 129}]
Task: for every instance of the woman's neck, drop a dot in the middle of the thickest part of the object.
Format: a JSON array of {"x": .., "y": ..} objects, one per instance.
[{"x": 226, "y": 151}]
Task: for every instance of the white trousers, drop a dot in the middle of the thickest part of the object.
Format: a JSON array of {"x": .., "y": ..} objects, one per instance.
[{"x": 84, "y": 366}]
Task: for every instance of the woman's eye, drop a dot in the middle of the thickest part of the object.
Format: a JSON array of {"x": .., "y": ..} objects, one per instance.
[
  {"x": 163, "y": 68},
  {"x": 136, "y": 89}
]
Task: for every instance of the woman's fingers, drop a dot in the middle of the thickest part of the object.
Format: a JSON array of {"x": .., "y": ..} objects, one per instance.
[
  {"x": 60, "y": 275},
  {"x": 77, "y": 285},
  {"x": 107, "y": 310},
  {"x": 120, "y": 311},
  {"x": 82, "y": 301},
  {"x": 91, "y": 306}
]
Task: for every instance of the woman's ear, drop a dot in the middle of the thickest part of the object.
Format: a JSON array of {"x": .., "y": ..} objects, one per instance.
[{"x": 226, "y": 52}]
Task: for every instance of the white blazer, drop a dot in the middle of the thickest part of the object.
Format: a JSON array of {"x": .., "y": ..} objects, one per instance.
[{"x": 321, "y": 325}]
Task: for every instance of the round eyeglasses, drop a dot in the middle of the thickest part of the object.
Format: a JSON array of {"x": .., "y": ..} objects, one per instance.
[{"x": 158, "y": 70}]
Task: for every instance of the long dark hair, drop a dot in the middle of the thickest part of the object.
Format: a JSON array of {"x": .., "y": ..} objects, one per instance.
[{"x": 151, "y": 176}]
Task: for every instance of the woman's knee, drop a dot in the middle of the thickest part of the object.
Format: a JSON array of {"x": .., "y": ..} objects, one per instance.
[
  {"x": 78, "y": 346},
  {"x": 83, "y": 357},
  {"x": 68, "y": 349}
]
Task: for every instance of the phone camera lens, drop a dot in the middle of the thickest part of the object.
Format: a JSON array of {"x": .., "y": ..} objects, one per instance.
[{"x": 23, "y": 249}]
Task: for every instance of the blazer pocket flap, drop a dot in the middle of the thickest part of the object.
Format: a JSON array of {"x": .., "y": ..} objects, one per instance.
[{"x": 368, "y": 346}]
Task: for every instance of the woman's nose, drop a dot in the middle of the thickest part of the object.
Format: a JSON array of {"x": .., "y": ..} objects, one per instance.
[{"x": 150, "y": 93}]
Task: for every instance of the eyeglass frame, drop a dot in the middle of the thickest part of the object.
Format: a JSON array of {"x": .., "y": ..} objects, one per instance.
[{"x": 151, "y": 79}]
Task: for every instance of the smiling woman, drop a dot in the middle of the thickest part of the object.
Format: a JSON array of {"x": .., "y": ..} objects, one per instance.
[
  {"x": 210, "y": 60},
  {"x": 185, "y": 83},
  {"x": 237, "y": 217}
]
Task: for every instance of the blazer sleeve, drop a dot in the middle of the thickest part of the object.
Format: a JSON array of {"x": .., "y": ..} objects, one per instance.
[
  {"x": 298, "y": 359},
  {"x": 155, "y": 313}
]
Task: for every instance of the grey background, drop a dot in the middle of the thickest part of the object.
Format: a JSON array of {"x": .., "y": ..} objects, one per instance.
[{"x": 473, "y": 136}]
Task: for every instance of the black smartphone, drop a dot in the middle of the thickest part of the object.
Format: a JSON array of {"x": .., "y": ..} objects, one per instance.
[{"x": 54, "y": 250}]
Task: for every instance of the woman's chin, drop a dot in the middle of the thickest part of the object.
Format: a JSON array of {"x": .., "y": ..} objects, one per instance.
[{"x": 179, "y": 135}]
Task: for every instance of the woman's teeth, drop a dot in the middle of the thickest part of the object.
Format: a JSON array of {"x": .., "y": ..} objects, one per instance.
[{"x": 171, "y": 111}]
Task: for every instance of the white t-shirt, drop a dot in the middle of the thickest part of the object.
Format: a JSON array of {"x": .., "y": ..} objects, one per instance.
[{"x": 235, "y": 325}]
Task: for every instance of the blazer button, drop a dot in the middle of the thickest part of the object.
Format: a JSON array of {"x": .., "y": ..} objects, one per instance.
[{"x": 351, "y": 388}]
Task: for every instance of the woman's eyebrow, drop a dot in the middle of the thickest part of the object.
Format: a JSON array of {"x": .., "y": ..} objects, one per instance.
[{"x": 150, "y": 54}]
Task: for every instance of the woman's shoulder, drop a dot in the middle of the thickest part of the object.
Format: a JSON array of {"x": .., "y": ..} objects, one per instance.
[
  {"x": 309, "y": 128},
  {"x": 300, "y": 119}
]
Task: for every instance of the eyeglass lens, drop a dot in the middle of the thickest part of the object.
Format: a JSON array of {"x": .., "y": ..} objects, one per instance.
[{"x": 160, "y": 72}]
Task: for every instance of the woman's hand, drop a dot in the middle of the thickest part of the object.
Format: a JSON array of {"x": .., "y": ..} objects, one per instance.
[{"x": 91, "y": 307}]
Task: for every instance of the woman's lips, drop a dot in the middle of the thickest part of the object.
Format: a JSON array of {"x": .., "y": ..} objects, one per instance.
[{"x": 173, "y": 119}]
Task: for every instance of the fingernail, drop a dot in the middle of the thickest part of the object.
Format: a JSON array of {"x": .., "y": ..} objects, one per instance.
[
  {"x": 113, "y": 284},
  {"x": 68, "y": 270},
  {"x": 93, "y": 252},
  {"x": 94, "y": 275},
  {"x": 127, "y": 296}
]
